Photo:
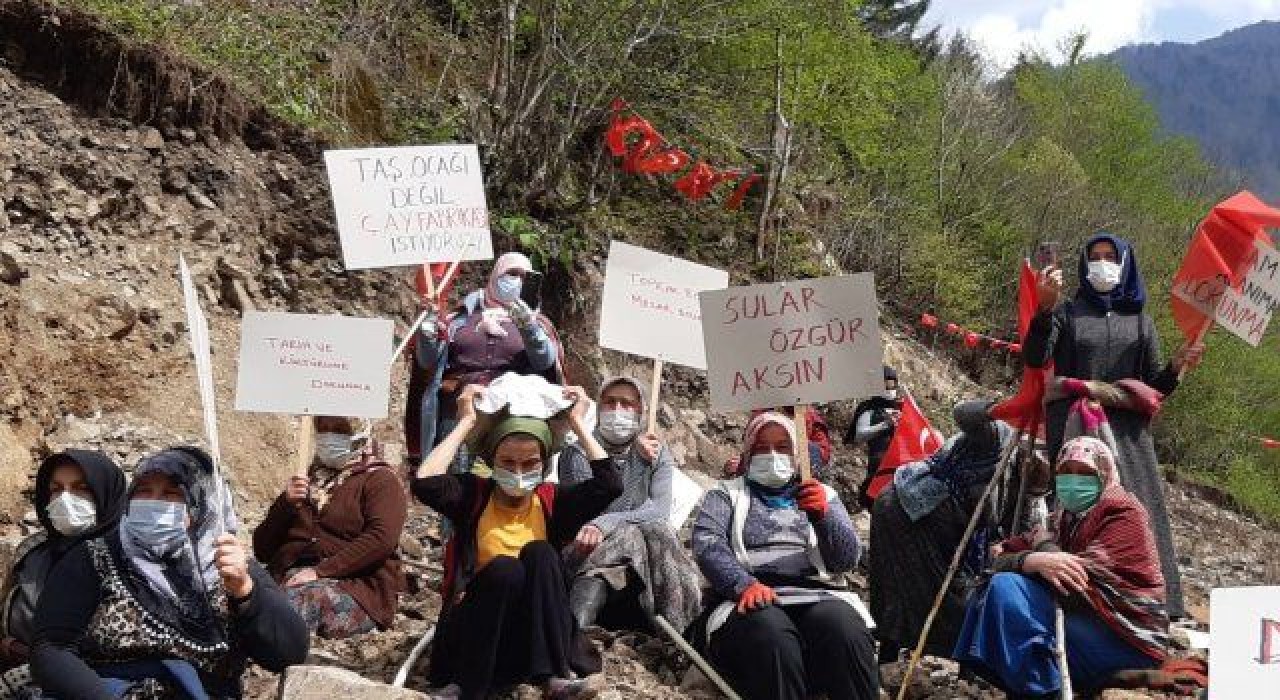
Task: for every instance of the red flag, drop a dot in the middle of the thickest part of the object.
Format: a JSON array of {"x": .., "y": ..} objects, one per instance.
[
  {"x": 1218, "y": 254},
  {"x": 913, "y": 440},
  {"x": 740, "y": 192},
  {"x": 953, "y": 329},
  {"x": 1025, "y": 410}
]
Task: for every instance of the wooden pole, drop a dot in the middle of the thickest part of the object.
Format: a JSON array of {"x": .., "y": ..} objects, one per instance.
[
  {"x": 408, "y": 336},
  {"x": 402, "y": 676},
  {"x": 955, "y": 564},
  {"x": 802, "y": 441},
  {"x": 306, "y": 447},
  {"x": 1060, "y": 631},
  {"x": 655, "y": 395}
]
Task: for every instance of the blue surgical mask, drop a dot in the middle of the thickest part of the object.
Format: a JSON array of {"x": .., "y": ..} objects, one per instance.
[
  {"x": 1078, "y": 492},
  {"x": 516, "y": 485},
  {"x": 508, "y": 288},
  {"x": 159, "y": 527}
]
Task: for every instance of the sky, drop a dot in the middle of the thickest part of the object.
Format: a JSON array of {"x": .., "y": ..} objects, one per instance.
[{"x": 1004, "y": 27}]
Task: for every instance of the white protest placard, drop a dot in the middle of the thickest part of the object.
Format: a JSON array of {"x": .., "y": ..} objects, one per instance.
[
  {"x": 685, "y": 495},
  {"x": 202, "y": 353},
  {"x": 409, "y": 205},
  {"x": 309, "y": 364},
  {"x": 1246, "y": 311},
  {"x": 1244, "y": 651},
  {"x": 650, "y": 304},
  {"x": 801, "y": 342}
]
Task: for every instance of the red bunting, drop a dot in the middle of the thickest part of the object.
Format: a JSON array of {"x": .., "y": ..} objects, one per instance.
[
  {"x": 645, "y": 152},
  {"x": 971, "y": 339},
  {"x": 1270, "y": 444},
  {"x": 928, "y": 321},
  {"x": 953, "y": 329}
]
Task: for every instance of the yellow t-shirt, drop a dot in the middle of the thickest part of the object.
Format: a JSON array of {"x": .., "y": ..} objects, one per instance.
[{"x": 504, "y": 531}]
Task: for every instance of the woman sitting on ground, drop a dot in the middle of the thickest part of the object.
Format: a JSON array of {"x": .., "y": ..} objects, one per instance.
[
  {"x": 166, "y": 605},
  {"x": 1101, "y": 567},
  {"x": 79, "y": 495},
  {"x": 331, "y": 538},
  {"x": 505, "y": 618},
  {"x": 768, "y": 543},
  {"x": 633, "y": 538}
]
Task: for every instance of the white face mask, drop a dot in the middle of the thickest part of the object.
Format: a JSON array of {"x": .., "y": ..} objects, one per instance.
[
  {"x": 619, "y": 427},
  {"x": 72, "y": 514},
  {"x": 516, "y": 485},
  {"x": 334, "y": 450},
  {"x": 1104, "y": 275},
  {"x": 771, "y": 469},
  {"x": 507, "y": 288}
]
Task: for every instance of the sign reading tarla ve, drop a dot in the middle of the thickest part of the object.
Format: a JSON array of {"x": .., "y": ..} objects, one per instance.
[
  {"x": 315, "y": 365},
  {"x": 650, "y": 304},
  {"x": 409, "y": 205},
  {"x": 801, "y": 342}
]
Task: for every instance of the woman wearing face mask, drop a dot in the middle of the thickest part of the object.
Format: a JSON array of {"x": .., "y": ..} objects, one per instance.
[
  {"x": 918, "y": 522},
  {"x": 1103, "y": 334},
  {"x": 494, "y": 332},
  {"x": 166, "y": 605},
  {"x": 772, "y": 547},
  {"x": 1100, "y": 565},
  {"x": 79, "y": 495},
  {"x": 331, "y": 537},
  {"x": 634, "y": 534},
  {"x": 505, "y": 616}
]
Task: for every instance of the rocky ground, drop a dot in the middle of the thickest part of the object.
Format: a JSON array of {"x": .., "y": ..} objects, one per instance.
[{"x": 93, "y": 214}]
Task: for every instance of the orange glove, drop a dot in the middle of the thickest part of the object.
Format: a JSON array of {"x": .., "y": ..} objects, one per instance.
[
  {"x": 756, "y": 596},
  {"x": 812, "y": 499}
]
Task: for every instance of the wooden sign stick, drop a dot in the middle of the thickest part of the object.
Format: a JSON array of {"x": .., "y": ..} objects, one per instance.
[
  {"x": 802, "y": 440},
  {"x": 306, "y": 447},
  {"x": 655, "y": 395}
]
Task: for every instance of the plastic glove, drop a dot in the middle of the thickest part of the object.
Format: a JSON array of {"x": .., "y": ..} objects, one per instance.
[
  {"x": 756, "y": 596},
  {"x": 521, "y": 314},
  {"x": 812, "y": 499}
]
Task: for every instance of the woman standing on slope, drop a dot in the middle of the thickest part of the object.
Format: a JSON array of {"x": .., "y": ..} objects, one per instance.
[{"x": 1103, "y": 334}]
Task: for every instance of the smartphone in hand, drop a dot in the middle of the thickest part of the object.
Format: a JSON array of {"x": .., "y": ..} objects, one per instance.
[
  {"x": 1047, "y": 254},
  {"x": 531, "y": 290}
]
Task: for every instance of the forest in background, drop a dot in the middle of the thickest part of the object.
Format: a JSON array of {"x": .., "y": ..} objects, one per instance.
[{"x": 904, "y": 155}]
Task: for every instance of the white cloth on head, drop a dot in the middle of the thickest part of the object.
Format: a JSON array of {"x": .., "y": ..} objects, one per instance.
[{"x": 528, "y": 395}]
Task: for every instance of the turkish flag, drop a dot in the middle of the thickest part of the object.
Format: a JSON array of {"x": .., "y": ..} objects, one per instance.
[
  {"x": 1217, "y": 257},
  {"x": 913, "y": 440},
  {"x": 1025, "y": 410}
]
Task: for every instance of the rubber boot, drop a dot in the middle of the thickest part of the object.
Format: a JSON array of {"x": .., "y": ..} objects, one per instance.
[{"x": 586, "y": 599}]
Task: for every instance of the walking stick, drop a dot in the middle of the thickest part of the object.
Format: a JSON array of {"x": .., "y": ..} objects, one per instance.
[
  {"x": 955, "y": 563},
  {"x": 402, "y": 676},
  {"x": 697, "y": 659},
  {"x": 1060, "y": 631}
]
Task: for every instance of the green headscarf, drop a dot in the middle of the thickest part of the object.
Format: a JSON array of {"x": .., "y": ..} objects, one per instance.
[{"x": 533, "y": 427}]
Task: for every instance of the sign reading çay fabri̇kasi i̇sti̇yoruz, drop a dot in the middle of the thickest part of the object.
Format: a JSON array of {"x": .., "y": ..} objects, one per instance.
[
  {"x": 318, "y": 365},
  {"x": 409, "y": 205},
  {"x": 801, "y": 342}
]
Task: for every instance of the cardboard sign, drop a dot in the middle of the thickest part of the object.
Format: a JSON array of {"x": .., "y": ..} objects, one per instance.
[
  {"x": 409, "y": 205},
  {"x": 314, "y": 365},
  {"x": 1246, "y": 311},
  {"x": 808, "y": 341},
  {"x": 650, "y": 305},
  {"x": 1244, "y": 651},
  {"x": 202, "y": 353}
]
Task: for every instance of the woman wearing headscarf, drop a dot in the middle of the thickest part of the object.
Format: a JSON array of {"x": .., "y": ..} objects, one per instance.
[
  {"x": 505, "y": 616},
  {"x": 772, "y": 548},
  {"x": 1100, "y": 565},
  {"x": 916, "y": 525},
  {"x": 1103, "y": 334},
  {"x": 492, "y": 333},
  {"x": 630, "y": 551},
  {"x": 874, "y": 422},
  {"x": 166, "y": 605},
  {"x": 331, "y": 537},
  {"x": 79, "y": 495}
]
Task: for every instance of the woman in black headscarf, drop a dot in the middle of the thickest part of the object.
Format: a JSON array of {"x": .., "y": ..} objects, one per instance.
[
  {"x": 1103, "y": 334},
  {"x": 167, "y": 604},
  {"x": 79, "y": 495}
]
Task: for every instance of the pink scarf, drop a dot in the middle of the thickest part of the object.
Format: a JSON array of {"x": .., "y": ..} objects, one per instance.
[{"x": 495, "y": 311}]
